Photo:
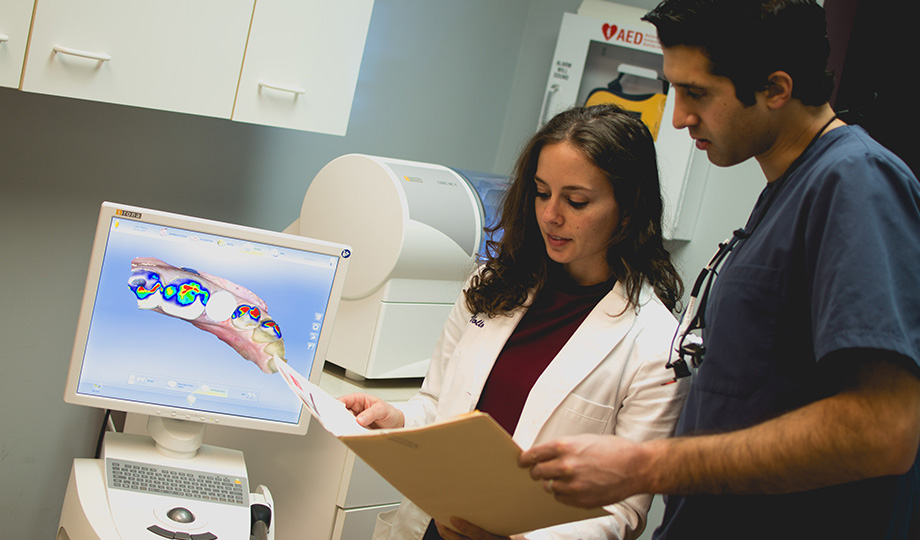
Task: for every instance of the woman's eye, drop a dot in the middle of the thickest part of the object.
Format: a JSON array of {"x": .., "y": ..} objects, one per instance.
[
  {"x": 577, "y": 204},
  {"x": 541, "y": 195}
]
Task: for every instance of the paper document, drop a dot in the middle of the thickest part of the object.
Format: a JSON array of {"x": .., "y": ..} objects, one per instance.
[
  {"x": 465, "y": 466},
  {"x": 330, "y": 412}
]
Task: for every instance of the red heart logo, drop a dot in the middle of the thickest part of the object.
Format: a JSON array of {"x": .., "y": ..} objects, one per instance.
[{"x": 610, "y": 30}]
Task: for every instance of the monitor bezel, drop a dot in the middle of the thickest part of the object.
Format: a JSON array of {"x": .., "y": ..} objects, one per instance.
[{"x": 110, "y": 210}]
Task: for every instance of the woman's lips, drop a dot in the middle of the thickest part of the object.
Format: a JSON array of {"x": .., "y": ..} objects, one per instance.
[
  {"x": 702, "y": 144},
  {"x": 556, "y": 241}
]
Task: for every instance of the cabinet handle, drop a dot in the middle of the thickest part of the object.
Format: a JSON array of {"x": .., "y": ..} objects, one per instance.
[
  {"x": 4, "y": 38},
  {"x": 102, "y": 57},
  {"x": 289, "y": 89}
]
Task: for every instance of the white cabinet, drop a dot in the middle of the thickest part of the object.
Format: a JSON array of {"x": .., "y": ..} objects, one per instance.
[
  {"x": 172, "y": 54},
  {"x": 15, "y": 18},
  {"x": 301, "y": 56},
  {"x": 302, "y": 63},
  {"x": 590, "y": 54},
  {"x": 362, "y": 495}
]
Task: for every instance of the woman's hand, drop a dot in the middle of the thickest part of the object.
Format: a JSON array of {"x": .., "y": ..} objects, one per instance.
[{"x": 373, "y": 412}]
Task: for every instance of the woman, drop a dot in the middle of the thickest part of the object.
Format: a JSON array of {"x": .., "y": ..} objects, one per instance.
[{"x": 566, "y": 327}]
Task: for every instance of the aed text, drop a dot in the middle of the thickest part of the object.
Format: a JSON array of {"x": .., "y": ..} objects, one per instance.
[{"x": 629, "y": 36}]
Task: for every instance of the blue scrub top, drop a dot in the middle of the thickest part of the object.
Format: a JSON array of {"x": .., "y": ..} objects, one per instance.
[{"x": 831, "y": 264}]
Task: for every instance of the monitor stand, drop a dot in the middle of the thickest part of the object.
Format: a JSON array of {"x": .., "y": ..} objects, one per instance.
[
  {"x": 176, "y": 438},
  {"x": 95, "y": 508}
]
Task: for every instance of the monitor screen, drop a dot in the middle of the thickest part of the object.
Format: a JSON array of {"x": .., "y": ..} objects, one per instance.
[{"x": 184, "y": 318}]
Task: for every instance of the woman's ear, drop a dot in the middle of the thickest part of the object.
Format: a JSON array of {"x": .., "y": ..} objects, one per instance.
[{"x": 778, "y": 91}]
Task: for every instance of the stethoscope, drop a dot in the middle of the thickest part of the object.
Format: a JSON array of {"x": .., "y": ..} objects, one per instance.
[{"x": 689, "y": 347}]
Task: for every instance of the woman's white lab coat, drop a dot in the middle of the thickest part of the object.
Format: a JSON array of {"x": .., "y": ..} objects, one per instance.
[{"x": 607, "y": 379}]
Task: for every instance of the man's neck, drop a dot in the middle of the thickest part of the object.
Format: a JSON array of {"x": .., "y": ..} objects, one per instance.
[{"x": 796, "y": 130}]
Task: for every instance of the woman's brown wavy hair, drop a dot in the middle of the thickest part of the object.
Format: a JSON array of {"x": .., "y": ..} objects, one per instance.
[{"x": 623, "y": 148}]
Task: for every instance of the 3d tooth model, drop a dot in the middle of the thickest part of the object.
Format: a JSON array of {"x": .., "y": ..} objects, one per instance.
[{"x": 229, "y": 311}]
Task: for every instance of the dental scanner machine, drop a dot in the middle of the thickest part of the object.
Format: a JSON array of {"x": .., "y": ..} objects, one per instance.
[{"x": 417, "y": 233}]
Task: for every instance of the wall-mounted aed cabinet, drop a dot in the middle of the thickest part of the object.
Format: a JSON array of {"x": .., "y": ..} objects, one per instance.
[
  {"x": 15, "y": 17},
  {"x": 288, "y": 63},
  {"x": 618, "y": 60}
]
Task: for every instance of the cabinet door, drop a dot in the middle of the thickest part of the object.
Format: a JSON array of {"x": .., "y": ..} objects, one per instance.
[
  {"x": 15, "y": 17},
  {"x": 172, "y": 54},
  {"x": 302, "y": 64}
]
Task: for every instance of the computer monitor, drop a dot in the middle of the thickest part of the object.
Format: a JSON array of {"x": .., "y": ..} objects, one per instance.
[{"x": 183, "y": 318}]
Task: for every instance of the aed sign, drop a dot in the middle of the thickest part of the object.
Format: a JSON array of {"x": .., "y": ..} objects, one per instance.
[
  {"x": 616, "y": 33},
  {"x": 625, "y": 35}
]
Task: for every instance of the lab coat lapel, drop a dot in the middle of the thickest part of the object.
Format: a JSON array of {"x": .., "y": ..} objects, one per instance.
[
  {"x": 591, "y": 343},
  {"x": 496, "y": 331}
]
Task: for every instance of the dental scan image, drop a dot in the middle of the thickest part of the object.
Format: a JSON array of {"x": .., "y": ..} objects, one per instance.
[
  {"x": 231, "y": 312},
  {"x": 184, "y": 319}
]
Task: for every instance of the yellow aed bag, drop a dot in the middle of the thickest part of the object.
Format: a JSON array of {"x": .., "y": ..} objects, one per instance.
[{"x": 647, "y": 107}]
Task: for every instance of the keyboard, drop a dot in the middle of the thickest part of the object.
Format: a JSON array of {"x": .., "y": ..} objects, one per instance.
[{"x": 176, "y": 482}]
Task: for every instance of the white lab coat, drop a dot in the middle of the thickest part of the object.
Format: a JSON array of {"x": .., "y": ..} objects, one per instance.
[{"x": 607, "y": 379}]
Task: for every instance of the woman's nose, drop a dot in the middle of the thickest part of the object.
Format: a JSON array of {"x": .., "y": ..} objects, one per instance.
[{"x": 551, "y": 212}]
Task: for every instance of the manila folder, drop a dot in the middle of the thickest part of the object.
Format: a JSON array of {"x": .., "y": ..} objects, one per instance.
[{"x": 466, "y": 466}]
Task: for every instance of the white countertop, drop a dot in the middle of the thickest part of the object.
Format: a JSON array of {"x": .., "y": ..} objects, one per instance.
[{"x": 334, "y": 382}]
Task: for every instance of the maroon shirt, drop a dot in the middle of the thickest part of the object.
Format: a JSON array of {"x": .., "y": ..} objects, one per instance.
[{"x": 538, "y": 338}]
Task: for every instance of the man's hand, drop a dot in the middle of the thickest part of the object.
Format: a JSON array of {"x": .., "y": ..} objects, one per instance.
[
  {"x": 373, "y": 412},
  {"x": 586, "y": 470},
  {"x": 869, "y": 428}
]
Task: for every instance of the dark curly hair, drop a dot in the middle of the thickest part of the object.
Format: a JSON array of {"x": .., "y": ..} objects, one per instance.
[{"x": 622, "y": 147}]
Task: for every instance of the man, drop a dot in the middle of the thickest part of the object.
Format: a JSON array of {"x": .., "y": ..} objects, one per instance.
[{"x": 803, "y": 420}]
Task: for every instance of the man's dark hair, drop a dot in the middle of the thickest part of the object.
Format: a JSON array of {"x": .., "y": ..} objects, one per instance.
[{"x": 747, "y": 40}]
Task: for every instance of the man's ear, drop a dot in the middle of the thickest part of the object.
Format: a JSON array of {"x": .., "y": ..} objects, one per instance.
[{"x": 778, "y": 91}]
